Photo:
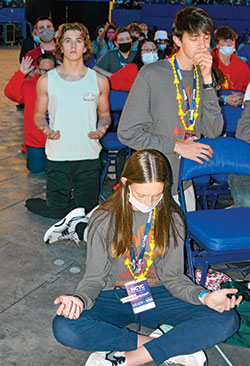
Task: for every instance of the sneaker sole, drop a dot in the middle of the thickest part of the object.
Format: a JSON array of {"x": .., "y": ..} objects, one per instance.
[{"x": 63, "y": 224}]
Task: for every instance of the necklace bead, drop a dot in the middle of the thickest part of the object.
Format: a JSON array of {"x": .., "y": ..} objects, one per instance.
[{"x": 179, "y": 98}]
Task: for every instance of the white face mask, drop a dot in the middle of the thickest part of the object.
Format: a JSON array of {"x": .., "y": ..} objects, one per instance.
[
  {"x": 148, "y": 58},
  {"x": 227, "y": 51},
  {"x": 140, "y": 206}
]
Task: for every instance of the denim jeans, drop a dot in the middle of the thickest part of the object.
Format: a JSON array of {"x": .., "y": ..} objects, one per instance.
[
  {"x": 102, "y": 328},
  {"x": 36, "y": 159},
  {"x": 240, "y": 189}
]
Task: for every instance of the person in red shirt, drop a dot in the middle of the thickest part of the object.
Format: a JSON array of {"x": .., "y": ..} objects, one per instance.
[
  {"x": 21, "y": 88},
  {"x": 46, "y": 33},
  {"x": 124, "y": 78},
  {"x": 235, "y": 71}
]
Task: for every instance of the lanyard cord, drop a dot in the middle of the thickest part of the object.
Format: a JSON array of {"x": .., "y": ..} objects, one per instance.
[
  {"x": 135, "y": 265},
  {"x": 193, "y": 110}
]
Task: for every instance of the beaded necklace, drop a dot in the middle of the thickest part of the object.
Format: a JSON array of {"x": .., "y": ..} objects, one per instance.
[
  {"x": 191, "y": 123},
  {"x": 149, "y": 261}
]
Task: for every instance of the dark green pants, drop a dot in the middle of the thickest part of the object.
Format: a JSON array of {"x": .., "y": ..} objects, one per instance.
[{"x": 81, "y": 175}]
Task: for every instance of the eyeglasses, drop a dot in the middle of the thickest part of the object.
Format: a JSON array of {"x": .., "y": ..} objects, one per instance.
[
  {"x": 43, "y": 71},
  {"x": 147, "y": 50},
  {"x": 161, "y": 41}
]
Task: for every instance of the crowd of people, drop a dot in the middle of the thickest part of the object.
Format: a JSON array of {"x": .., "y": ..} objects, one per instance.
[
  {"x": 135, "y": 238},
  {"x": 137, "y": 4}
]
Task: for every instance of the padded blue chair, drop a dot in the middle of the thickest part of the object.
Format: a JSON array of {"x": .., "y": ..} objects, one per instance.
[
  {"x": 231, "y": 115},
  {"x": 110, "y": 142},
  {"x": 117, "y": 100},
  {"x": 210, "y": 188},
  {"x": 223, "y": 235}
]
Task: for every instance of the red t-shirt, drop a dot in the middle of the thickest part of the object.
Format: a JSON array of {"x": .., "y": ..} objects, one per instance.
[
  {"x": 36, "y": 52},
  {"x": 124, "y": 78},
  {"x": 23, "y": 90},
  {"x": 237, "y": 73}
]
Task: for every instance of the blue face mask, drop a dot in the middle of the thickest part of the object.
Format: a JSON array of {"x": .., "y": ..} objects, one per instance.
[
  {"x": 161, "y": 47},
  {"x": 148, "y": 58},
  {"x": 36, "y": 39},
  {"x": 227, "y": 50}
]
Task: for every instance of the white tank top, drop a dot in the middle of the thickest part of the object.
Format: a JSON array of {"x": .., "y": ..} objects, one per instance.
[{"x": 72, "y": 110}]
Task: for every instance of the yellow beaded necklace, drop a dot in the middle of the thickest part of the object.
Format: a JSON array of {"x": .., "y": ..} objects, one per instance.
[
  {"x": 149, "y": 261},
  {"x": 178, "y": 96}
]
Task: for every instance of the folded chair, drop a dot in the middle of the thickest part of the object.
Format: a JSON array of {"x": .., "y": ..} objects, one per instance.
[{"x": 222, "y": 235}]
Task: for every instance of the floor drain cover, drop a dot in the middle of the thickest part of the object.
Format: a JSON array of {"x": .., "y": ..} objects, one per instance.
[
  {"x": 75, "y": 270},
  {"x": 58, "y": 262}
]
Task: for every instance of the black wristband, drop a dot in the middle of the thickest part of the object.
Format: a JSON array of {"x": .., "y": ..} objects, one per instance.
[{"x": 210, "y": 85}]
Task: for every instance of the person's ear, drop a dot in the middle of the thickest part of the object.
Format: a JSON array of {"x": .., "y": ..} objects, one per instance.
[
  {"x": 124, "y": 181},
  {"x": 116, "y": 43},
  {"x": 177, "y": 41}
]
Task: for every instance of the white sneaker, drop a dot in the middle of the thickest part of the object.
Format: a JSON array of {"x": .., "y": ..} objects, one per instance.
[
  {"x": 106, "y": 359},
  {"x": 65, "y": 228},
  {"x": 195, "y": 359}
]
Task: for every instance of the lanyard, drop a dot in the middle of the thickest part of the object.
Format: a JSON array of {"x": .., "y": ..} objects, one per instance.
[
  {"x": 120, "y": 59},
  {"x": 192, "y": 108},
  {"x": 137, "y": 262},
  {"x": 111, "y": 45}
]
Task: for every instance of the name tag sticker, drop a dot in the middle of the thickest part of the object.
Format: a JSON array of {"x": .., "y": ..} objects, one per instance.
[
  {"x": 89, "y": 97},
  {"x": 140, "y": 295}
]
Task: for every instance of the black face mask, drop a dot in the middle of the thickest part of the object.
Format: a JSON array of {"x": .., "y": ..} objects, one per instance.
[{"x": 124, "y": 47}]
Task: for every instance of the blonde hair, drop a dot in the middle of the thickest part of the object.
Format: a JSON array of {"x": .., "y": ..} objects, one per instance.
[{"x": 84, "y": 34}]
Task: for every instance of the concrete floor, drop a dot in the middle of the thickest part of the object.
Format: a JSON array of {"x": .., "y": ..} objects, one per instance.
[{"x": 30, "y": 279}]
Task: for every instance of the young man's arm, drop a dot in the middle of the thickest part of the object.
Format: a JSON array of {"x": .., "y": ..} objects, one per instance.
[
  {"x": 102, "y": 65},
  {"x": 102, "y": 71},
  {"x": 211, "y": 119},
  {"x": 103, "y": 109},
  {"x": 243, "y": 126},
  {"x": 14, "y": 88},
  {"x": 41, "y": 109}
]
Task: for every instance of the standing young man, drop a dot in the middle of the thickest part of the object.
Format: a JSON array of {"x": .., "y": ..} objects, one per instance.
[
  {"x": 73, "y": 94},
  {"x": 173, "y": 101},
  {"x": 46, "y": 33}
]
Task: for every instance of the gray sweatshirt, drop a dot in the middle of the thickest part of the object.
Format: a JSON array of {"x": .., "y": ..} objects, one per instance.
[
  {"x": 243, "y": 127},
  {"x": 103, "y": 272},
  {"x": 150, "y": 117}
]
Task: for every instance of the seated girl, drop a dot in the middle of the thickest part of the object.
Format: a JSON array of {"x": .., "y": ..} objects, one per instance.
[{"x": 135, "y": 265}]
